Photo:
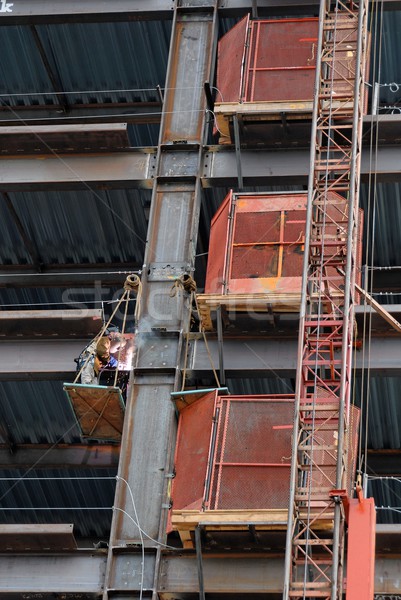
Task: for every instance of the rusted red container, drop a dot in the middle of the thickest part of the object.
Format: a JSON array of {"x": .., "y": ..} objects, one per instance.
[
  {"x": 275, "y": 61},
  {"x": 257, "y": 244},
  {"x": 268, "y": 61},
  {"x": 234, "y": 452}
]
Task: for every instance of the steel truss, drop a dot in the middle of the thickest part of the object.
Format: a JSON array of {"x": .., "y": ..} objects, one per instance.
[{"x": 321, "y": 463}]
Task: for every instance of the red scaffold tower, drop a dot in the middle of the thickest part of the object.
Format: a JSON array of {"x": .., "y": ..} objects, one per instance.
[{"x": 321, "y": 461}]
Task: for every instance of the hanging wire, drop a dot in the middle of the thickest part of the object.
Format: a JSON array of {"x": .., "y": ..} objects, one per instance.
[
  {"x": 140, "y": 533},
  {"x": 107, "y": 91},
  {"x": 136, "y": 516},
  {"x": 370, "y": 244},
  {"x": 64, "y": 274},
  {"x": 55, "y": 478}
]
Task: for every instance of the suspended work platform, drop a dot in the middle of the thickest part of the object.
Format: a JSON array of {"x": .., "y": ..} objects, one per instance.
[{"x": 99, "y": 410}]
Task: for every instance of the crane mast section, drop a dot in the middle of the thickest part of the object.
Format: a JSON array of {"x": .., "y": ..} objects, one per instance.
[{"x": 323, "y": 461}]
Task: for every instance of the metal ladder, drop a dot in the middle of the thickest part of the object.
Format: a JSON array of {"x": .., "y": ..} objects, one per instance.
[{"x": 321, "y": 472}]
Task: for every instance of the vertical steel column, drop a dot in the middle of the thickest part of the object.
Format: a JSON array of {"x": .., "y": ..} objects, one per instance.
[{"x": 141, "y": 500}]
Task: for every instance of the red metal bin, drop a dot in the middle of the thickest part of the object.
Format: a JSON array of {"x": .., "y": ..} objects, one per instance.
[
  {"x": 256, "y": 252},
  {"x": 233, "y": 455},
  {"x": 233, "y": 452},
  {"x": 266, "y": 68},
  {"x": 268, "y": 60}
]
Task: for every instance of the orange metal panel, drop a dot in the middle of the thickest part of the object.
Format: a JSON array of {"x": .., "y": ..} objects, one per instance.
[
  {"x": 361, "y": 549},
  {"x": 219, "y": 236},
  {"x": 192, "y": 450},
  {"x": 230, "y": 56}
]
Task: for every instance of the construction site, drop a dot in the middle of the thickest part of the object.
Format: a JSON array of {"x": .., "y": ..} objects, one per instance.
[{"x": 200, "y": 300}]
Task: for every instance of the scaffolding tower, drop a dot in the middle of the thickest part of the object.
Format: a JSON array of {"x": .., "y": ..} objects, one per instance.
[{"x": 320, "y": 476}]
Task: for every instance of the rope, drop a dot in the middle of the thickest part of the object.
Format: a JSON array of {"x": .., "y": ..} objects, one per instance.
[
  {"x": 187, "y": 284},
  {"x": 184, "y": 371},
  {"x": 127, "y": 293},
  {"x": 133, "y": 284},
  {"x": 202, "y": 330},
  {"x": 96, "y": 338},
  {"x": 184, "y": 282}
]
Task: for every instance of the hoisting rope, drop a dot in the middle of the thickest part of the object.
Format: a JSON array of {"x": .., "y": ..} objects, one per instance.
[
  {"x": 127, "y": 294},
  {"x": 187, "y": 284},
  {"x": 184, "y": 282},
  {"x": 132, "y": 283}
]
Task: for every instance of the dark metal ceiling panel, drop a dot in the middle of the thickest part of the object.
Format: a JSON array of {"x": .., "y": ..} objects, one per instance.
[
  {"x": 381, "y": 410},
  {"x": 387, "y": 494},
  {"x": 385, "y": 64},
  {"x": 271, "y": 385},
  {"x": 93, "y": 63},
  {"x": 21, "y": 68},
  {"x": 38, "y": 298},
  {"x": 382, "y": 216},
  {"x": 37, "y": 412},
  {"x": 86, "y": 497},
  {"x": 85, "y": 227}
]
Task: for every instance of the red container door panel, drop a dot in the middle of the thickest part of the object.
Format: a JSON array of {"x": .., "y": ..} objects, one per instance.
[
  {"x": 286, "y": 42},
  {"x": 253, "y": 227},
  {"x": 231, "y": 51},
  {"x": 254, "y": 262},
  {"x": 251, "y": 467},
  {"x": 293, "y": 258},
  {"x": 281, "y": 60},
  {"x": 192, "y": 451},
  {"x": 267, "y": 245},
  {"x": 282, "y": 85},
  {"x": 253, "y": 488},
  {"x": 263, "y": 252},
  {"x": 257, "y": 429},
  {"x": 218, "y": 244},
  {"x": 294, "y": 238}
]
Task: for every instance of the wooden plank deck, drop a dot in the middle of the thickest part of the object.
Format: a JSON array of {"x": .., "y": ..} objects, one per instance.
[
  {"x": 296, "y": 110},
  {"x": 246, "y": 303},
  {"x": 99, "y": 410},
  {"x": 186, "y": 521}
]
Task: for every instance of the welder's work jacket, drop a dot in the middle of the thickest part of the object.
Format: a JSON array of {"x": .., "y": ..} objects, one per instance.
[{"x": 93, "y": 368}]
